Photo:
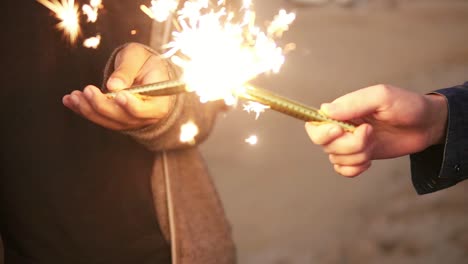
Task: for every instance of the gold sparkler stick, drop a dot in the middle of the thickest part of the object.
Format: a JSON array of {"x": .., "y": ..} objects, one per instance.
[
  {"x": 289, "y": 107},
  {"x": 262, "y": 96}
]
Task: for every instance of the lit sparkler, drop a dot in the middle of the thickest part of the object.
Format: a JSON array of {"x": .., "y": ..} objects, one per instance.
[
  {"x": 219, "y": 56},
  {"x": 67, "y": 12}
]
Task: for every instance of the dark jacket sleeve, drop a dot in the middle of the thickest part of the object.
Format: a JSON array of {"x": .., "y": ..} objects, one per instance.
[
  {"x": 186, "y": 107},
  {"x": 441, "y": 166}
]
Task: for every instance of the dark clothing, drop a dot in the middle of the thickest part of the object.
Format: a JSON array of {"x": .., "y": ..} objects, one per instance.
[
  {"x": 74, "y": 192},
  {"x": 70, "y": 191},
  {"x": 445, "y": 165}
]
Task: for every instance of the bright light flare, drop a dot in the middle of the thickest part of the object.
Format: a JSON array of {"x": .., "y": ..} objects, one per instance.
[
  {"x": 255, "y": 107},
  {"x": 219, "y": 56},
  {"x": 67, "y": 12},
  {"x": 92, "y": 42},
  {"x": 160, "y": 10},
  {"x": 188, "y": 132},
  {"x": 252, "y": 140}
]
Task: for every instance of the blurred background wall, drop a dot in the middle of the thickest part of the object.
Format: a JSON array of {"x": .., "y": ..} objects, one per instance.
[{"x": 284, "y": 201}]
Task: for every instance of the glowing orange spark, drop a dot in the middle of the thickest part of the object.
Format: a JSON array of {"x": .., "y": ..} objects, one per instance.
[{"x": 67, "y": 12}]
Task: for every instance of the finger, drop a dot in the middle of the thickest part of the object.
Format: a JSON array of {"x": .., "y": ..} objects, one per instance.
[
  {"x": 87, "y": 111},
  {"x": 351, "y": 171},
  {"x": 350, "y": 143},
  {"x": 323, "y": 134},
  {"x": 350, "y": 160},
  {"x": 358, "y": 104},
  {"x": 71, "y": 103},
  {"x": 128, "y": 64},
  {"x": 153, "y": 108},
  {"x": 106, "y": 107},
  {"x": 112, "y": 110}
]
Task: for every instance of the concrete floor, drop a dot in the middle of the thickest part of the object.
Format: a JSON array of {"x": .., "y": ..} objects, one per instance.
[{"x": 285, "y": 202}]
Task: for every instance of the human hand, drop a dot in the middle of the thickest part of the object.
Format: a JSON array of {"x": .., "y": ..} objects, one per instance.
[
  {"x": 392, "y": 122},
  {"x": 134, "y": 65}
]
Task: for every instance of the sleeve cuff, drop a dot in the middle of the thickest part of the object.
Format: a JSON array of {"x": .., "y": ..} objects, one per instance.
[{"x": 441, "y": 166}]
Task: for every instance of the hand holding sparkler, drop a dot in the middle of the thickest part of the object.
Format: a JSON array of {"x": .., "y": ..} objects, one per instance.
[
  {"x": 133, "y": 65},
  {"x": 394, "y": 122}
]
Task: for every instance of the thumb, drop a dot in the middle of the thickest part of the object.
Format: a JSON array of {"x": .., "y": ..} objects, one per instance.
[
  {"x": 128, "y": 64},
  {"x": 355, "y": 105}
]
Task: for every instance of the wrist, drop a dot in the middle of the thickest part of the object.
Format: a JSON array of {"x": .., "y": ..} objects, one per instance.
[{"x": 438, "y": 112}]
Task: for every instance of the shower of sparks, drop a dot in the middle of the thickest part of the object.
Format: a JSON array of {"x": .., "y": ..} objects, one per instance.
[
  {"x": 252, "y": 140},
  {"x": 188, "y": 132},
  {"x": 160, "y": 10},
  {"x": 92, "y": 42},
  {"x": 220, "y": 51},
  {"x": 91, "y": 10},
  {"x": 67, "y": 12},
  {"x": 255, "y": 107}
]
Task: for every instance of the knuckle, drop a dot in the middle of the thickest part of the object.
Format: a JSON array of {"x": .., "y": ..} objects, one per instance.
[
  {"x": 99, "y": 107},
  {"x": 133, "y": 45},
  {"x": 383, "y": 90}
]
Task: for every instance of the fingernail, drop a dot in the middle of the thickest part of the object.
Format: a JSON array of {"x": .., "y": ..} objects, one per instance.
[
  {"x": 116, "y": 83},
  {"x": 121, "y": 98},
  {"x": 66, "y": 102},
  {"x": 327, "y": 108},
  {"x": 75, "y": 100},
  {"x": 88, "y": 93}
]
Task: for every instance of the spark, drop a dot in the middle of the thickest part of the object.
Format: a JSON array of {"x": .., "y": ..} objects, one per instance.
[
  {"x": 92, "y": 42},
  {"x": 67, "y": 12},
  {"x": 160, "y": 10},
  {"x": 255, "y": 107},
  {"x": 246, "y": 4},
  {"x": 281, "y": 23},
  {"x": 188, "y": 132},
  {"x": 252, "y": 140},
  {"x": 219, "y": 56},
  {"x": 91, "y": 10},
  {"x": 133, "y": 32}
]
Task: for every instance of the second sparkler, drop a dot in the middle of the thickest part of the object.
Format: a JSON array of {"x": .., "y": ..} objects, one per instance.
[{"x": 262, "y": 96}]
